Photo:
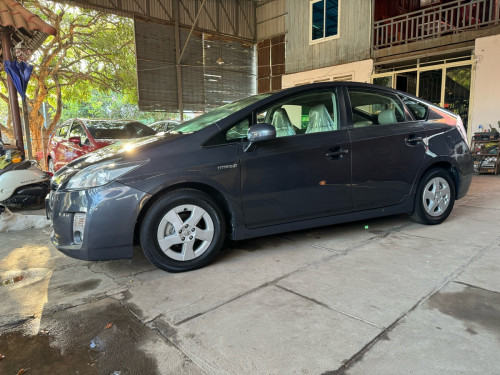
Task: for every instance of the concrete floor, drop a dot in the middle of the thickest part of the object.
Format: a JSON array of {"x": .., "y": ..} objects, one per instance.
[{"x": 384, "y": 296}]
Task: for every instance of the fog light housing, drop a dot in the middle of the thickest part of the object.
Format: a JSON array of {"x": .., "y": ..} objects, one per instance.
[{"x": 79, "y": 227}]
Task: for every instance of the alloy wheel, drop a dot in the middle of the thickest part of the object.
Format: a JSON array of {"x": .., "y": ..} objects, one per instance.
[
  {"x": 185, "y": 232},
  {"x": 436, "y": 196}
]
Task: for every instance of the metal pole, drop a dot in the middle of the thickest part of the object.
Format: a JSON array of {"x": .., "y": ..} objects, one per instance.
[
  {"x": 14, "y": 104},
  {"x": 177, "y": 32}
]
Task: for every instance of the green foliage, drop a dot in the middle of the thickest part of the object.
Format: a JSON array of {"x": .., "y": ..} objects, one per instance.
[
  {"x": 93, "y": 51},
  {"x": 87, "y": 70},
  {"x": 110, "y": 105},
  {"x": 461, "y": 75}
]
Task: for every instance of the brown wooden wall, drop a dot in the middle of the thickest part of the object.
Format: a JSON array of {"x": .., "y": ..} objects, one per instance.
[
  {"x": 271, "y": 63},
  {"x": 392, "y": 8}
]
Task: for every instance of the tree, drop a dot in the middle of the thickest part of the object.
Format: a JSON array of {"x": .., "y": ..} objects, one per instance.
[
  {"x": 109, "y": 104},
  {"x": 92, "y": 51}
]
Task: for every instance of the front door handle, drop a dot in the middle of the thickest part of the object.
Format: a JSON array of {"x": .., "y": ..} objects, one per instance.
[
  {"x": 412, "y": 140},
  {"x": 336, "y": 153}
]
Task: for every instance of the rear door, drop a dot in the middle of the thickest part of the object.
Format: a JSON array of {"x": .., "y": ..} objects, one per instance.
[{"x": 387, "y": 148}]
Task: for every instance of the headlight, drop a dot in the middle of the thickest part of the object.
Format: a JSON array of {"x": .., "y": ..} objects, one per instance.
[{"x": 102, "y": 173}]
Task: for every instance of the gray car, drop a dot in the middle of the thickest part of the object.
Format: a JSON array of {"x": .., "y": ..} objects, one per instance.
[{"x": 304, "y": 157}]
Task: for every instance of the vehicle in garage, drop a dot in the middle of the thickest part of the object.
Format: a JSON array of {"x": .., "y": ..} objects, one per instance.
[
  {"x": 77, "y": 137},
  {"x": 304, "y": 157}
]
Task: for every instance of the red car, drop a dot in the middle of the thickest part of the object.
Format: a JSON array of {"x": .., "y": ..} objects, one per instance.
[{"x": 77, "y": 137}]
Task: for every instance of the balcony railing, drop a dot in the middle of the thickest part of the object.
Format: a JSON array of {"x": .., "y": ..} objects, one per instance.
[{"x": 436, "y": 21}]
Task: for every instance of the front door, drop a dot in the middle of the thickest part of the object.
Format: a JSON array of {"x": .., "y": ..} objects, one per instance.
[
  {"x": 306, "y": 171},
  {"x": 60, "y": 145},
  {"x": 75, "y": 150}
]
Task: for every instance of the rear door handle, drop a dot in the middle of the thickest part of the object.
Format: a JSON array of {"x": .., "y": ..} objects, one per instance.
[
  {"x": 412, "y": 140},
  {"x": 336, "y": 153}
]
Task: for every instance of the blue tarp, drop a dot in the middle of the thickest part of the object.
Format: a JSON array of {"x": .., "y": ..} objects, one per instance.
[{"x": 20, "y": 72}]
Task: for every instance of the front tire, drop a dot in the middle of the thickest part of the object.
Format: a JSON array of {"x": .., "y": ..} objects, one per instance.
[
  {"x": 435, "y": 197},
  {"x": 182, "y": 231}
]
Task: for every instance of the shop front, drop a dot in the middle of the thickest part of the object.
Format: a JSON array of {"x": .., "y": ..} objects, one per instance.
[{"x": 444, "y": 82}]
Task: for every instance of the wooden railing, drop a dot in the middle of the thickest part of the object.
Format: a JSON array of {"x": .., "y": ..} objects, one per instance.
[{"x": 436, "y": 21}]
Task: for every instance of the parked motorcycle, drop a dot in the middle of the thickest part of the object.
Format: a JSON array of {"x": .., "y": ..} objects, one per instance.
[{"x": 22, "y": 183}]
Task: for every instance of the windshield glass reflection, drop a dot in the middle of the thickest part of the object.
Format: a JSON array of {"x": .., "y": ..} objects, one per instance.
[{"x": 201, "y": 122}]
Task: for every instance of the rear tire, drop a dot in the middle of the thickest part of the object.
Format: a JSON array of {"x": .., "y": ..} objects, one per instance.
[
  {"x": 182, "y": 231},
  {"x": 435, "y": 197}
]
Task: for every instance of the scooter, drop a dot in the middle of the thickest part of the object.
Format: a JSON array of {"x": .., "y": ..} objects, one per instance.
[{"x": 22, "y": 183}]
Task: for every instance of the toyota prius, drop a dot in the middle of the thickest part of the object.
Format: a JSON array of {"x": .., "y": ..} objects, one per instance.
[{"x": 305, "y": 157}]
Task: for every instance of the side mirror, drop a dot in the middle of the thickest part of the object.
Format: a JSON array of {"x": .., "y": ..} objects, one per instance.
[
  {"x": 75, "y": 140},
  {"x": 260, "y": 133}
]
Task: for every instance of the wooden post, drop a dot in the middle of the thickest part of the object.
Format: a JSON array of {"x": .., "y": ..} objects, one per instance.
[
  {"x": 27, "y": 131},
  {"x": 177, "y": 32},
  {"x": 13, "y": 102}
]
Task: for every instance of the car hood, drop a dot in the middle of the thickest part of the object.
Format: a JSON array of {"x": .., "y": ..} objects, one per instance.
[{"x": 122, "y": 149}]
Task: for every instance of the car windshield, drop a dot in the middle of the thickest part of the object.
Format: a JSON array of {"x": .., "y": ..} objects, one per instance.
[
  {"x": 201, "y": 122},
  {"x": 105, "y": 129}
]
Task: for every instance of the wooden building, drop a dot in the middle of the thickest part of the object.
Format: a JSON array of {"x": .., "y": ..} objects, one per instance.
[
  {"x": 445, "y": 51},
  {"x": 192, "y": 55}
]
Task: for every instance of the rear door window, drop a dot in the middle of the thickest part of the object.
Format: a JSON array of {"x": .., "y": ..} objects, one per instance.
[{"x": 370, "y": 107}]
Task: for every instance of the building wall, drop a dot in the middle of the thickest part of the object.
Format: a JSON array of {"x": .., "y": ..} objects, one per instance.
[
  {"x": 355, "y": 30},
  {"x": 271, "y": 18},
  {"x": 486, "y": 108},
  {"x": 357, "y": 71}
]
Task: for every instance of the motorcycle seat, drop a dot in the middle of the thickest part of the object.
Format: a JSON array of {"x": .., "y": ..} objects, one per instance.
[{"x": 25, "y": 164}]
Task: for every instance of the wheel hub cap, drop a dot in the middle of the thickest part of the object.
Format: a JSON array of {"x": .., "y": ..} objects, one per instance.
[
  {"x": 436, "y": 196},
  {"x": 185, "y": 232}
]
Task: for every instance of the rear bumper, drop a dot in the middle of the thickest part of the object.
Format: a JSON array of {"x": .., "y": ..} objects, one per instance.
[
  {"x": 463, "y": 188},
  {"x": 110, "y": 213}
]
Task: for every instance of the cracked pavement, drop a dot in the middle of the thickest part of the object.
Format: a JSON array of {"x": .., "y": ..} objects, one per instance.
[{"x": 381, "y": 296}]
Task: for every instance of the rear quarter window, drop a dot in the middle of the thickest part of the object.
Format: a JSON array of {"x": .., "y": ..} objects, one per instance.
[{"x": 418, "y": 110}]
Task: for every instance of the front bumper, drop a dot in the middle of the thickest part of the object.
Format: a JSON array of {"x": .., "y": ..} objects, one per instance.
[{"x": 111, "y": 214}]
